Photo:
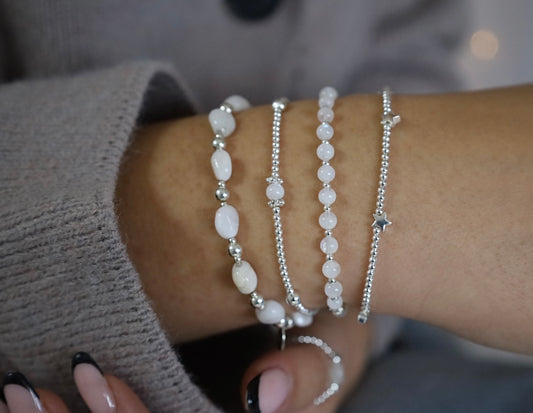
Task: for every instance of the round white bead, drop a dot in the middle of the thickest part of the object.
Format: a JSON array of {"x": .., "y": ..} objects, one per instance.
[
  {"x": 325, "y": 115},
  {"x": 275, "y": 191},
  {"x": 333, "y": 289},
  {"x": 329, "y": 245},
  {"x": 328, "y": 91},
  {"x": 327, "y": 196},
  {"x": 331, "y": 269},
  {"x": 238, "y": 103},
  {"x": 244, "y": 277},
  {"x": 271, "y": 313},
  {"x": 325, "y": 151},
  {"x": 327, "y": 220},
  {"x": 326, "y": 102},
  {"x": 222, "y": 121},
  {"x": 302, "y": 320},
  {"x": 326, "y": 173},
  {"x": 334, "y": 303},
  {"x": 221, "y": 164},
  {"x": 227, "y": 221},
  {"x": 324, "y": 131}
]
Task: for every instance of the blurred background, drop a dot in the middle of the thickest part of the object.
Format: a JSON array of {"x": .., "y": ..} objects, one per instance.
[{"x": 500, "y": 47}]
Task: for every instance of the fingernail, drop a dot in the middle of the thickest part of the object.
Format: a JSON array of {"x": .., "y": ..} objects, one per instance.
[
  {"x": 20, "y": 394},
  {"x": 267, "y": 391},
  {"x": 92, "y": 384},
  {"x": 3, "y": 407}
]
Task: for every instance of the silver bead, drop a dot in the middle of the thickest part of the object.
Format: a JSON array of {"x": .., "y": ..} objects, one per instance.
[
  {"x": 218, "y": 143},
  {"x": 280, "y": 104},
  {"x": 293, "y": 299},
  {"x": 222, "y": 194},
  {"x": 227, "y": 107},
  {"x": 256, "y": 300},
  {"x": 234, "y": 249}
]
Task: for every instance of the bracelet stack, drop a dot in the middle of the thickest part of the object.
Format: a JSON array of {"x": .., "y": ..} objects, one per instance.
[{"x": 227, "y": 222}]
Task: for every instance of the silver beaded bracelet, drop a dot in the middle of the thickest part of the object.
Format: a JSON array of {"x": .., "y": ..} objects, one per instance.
[
  {"x": 388, "y": 121},
  {"x": 327, "y": 196}
]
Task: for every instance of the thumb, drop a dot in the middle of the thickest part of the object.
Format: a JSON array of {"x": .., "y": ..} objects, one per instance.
[{"x": 291, "y": 380}]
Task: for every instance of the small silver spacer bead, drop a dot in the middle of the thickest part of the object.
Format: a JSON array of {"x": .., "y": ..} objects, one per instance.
[
  {"x": 339, "y": 312},
  {"x": 293, "y": 299},
  {"x": 227, "y": 107},
  {"x": 234, "y": 249},
  {"x": 222, "y": 194},
  {"x": 256, "y": 300},
  {"x": 280, "y": 104},
  {"x": 218, "y": 143},
  {"x": 286, "y": 323}
]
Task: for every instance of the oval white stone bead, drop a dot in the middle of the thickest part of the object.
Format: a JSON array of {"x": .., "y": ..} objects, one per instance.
[
  {"x": 302, "y": 320},
  {"x": 221, "y": 164},
  {"x": 327, "y": 196},
  {"x": 328, "y": 91},
  {"x": 275, "y": 191},
  {"x": 327, "y": 220},
  {"x": 325, "y": 115},
  {"x": 329, "y": 245},
  {"x": 324, "y": 131},
  {"x": 336, "y": 373},
  {"x": 331, "y": 269},
  {"x": 271, "y": 313},
  {"x": 326, "y": 102},
  {"x": 335, "y": 303},
  {"x": 326, "y": 173},
  {"x": 227, "y": 221},
  {"x": 244, "y": 277},
  {"x": 333, "y": 289},
  {"x": 325, "y": 151},
  {"x": 238, "y": 103},
  {"x": 222, "y": 121}
]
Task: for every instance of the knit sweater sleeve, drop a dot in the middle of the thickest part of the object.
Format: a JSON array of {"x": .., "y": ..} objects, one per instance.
[{"x": 66, "y": 281}]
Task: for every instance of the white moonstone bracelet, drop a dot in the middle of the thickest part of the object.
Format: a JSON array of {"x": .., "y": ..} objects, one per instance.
[{"x": 327, "y": 196}]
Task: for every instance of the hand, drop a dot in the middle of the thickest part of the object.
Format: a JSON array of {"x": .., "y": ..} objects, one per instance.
[{"x": 102, "y": 393}]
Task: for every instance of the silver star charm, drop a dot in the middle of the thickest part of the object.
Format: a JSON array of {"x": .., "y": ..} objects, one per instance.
[{"x": 381, "y": 221}]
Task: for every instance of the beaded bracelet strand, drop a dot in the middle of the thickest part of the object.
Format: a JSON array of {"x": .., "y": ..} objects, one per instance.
[
  {"x": 388, "y": 120},
  {"x": 275, "y": 193},
  {"x": 327, "y": 196}
]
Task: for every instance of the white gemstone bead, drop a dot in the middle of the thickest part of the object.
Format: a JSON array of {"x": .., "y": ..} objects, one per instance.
[
  {"x": 327, "y": 196},
  {"x": 331, "y": 269},
  {"x": 227, "y": 221},
  {"x": 329, "y": 245},
  {"x": 325, "y": 151},
  {"x": 244, "y": 277},
  {"x": 328, "y": 91},
  {"x": 302, "y": 320},
  {"x": 336, "y": 373},
  {"x": 334, "y": 303},
  {"x": 333, "y": 289},
  {"x": 238, "y": 103},
  {"x": 221, "y": 164},
  {"x": 326, "y": 102},
  {"x": 271, "y": 313},
  {"x": 326, "y": 173},
  {"x": 324, "y": 131},
  {"x": 275, "y": 191},
  {"x": 222, "y": 121},
  {"x": 325, "y": 115},
  {"x": 327, "y": 220}
]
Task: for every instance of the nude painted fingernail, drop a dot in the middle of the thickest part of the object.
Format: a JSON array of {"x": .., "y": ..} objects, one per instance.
[
  {"x": 267, "y": 391},
  {"x": 92, "y": 384},
  {"x": 20, "y": 395}
]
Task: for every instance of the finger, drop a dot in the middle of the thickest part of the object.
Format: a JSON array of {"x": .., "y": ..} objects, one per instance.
[
  {"x": 52, "y": 403},
  {"x": 290, "y": 380},
  {"x": 103, "y": 393},
  {"x": 3, "y": 406},
  {"x": 20, "y": 395}
]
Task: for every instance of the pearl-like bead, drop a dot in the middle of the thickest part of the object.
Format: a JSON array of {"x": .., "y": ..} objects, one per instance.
[
  {"x": 334, "y": 303},
  {"x": 325, "y": 151},
  {"x": 221, "y": 164},
  {"x": 328, "y": 91},
  {"x": 227, "y": 221},
  {"x": 326, "y": 101},
  {"x": 244, "y": 277},
  {"x": 329, "y": 245},
  {"x": 302, "y": 320},
  {"x": 327, "y": 196},
  {"x": 324, "y": 131},
  {"x": 222, "y": 121},
  {"x": 327, "y": 220},
  {"x": 326, "y": 173},
  {"x": 271, "y": 313},
  {"x": 325, "y": 115},
  {"x": 275, "y": 191},
  {"x": 331, "y": 269},
  {"x": 238, "y": 103},
  {"x": 333, "y": 289}
]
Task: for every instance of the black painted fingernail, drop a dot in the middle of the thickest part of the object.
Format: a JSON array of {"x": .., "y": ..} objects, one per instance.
[
  {"x": 81, "y": 358},
  {"x": 252, "y": 395},
  {"x": 17, "y": 378}
]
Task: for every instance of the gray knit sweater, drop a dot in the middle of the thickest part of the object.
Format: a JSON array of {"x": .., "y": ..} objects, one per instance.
[{"x": 77, "y": 78}]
